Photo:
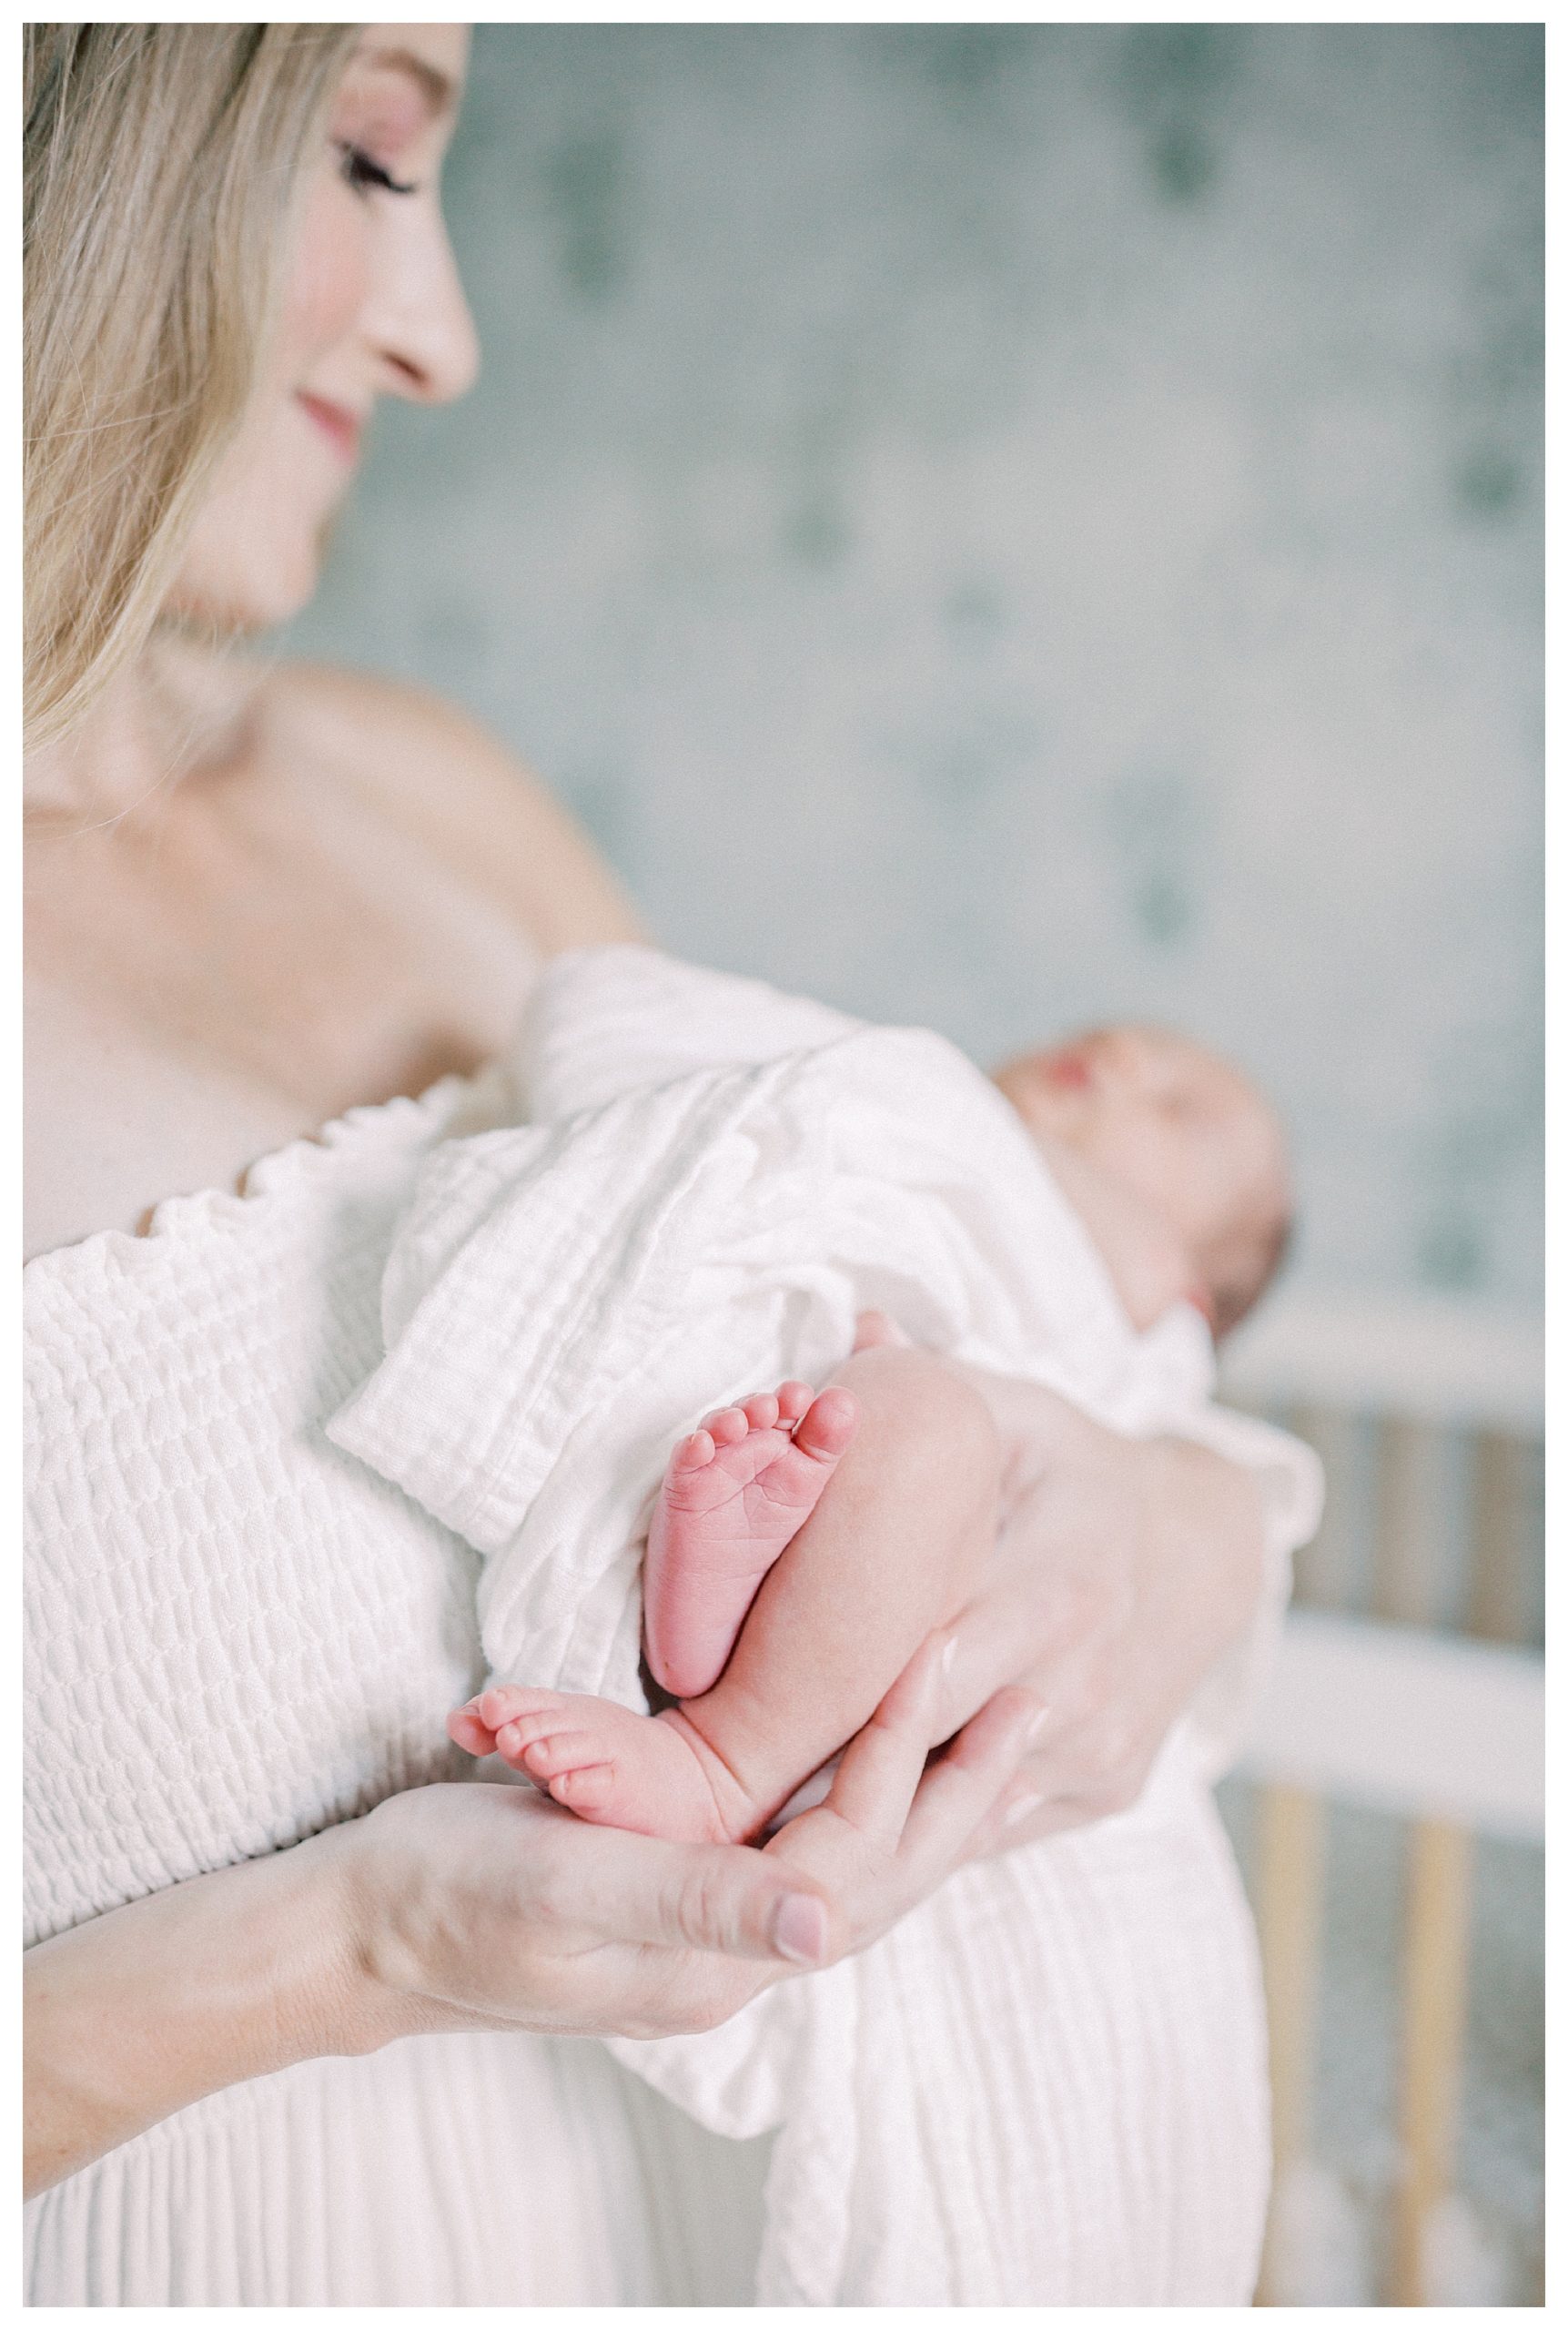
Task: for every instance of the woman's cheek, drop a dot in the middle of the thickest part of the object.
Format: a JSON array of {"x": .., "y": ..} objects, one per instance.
[{"x": 330, "y": 275}]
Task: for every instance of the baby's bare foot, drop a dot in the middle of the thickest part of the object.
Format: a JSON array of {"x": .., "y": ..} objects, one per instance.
[
  {"x": 735, "y": 1494},
  {"x": 648, "y": 1773}
]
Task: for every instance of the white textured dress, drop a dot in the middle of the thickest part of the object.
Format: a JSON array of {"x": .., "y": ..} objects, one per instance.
[{"x": 237, "y": 1634}]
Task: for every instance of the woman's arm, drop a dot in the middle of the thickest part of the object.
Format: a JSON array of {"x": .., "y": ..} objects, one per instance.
[
  {"x": 474, "y": 1907},
  {"x": 131, "y": 2016}
]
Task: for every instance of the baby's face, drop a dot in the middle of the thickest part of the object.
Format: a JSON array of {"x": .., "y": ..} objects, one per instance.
[{"x": 1179, "y": 1126}]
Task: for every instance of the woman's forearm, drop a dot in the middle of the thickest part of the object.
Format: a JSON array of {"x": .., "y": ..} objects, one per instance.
[{"x": 132, "y": 2016}]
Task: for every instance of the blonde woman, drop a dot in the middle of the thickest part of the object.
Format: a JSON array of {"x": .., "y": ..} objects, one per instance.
[{"x": 308, "y": 2019}]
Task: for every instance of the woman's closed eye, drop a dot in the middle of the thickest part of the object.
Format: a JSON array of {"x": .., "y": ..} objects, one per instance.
[{"x": 365, "y": 174}]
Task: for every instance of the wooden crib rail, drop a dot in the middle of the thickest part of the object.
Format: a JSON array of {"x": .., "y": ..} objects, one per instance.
[
  {"x": 1402, "y": 1687},
  {"x": 1451, "y": 1735},
  {"x": 1430, "y": 1726},
  {"x": 1424, "y": 1359}
]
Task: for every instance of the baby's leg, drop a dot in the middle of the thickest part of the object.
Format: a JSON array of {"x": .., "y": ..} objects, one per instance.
[
  {"x": 890, "y": 1552},
  {"x": 894, "y": 1549}
]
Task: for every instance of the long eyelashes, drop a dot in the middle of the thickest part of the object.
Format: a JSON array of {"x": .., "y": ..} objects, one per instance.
[{"x": 363, "y": 172}]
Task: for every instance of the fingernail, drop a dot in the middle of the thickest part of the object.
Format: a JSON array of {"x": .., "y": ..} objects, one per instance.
[
  {"x": 800, "y": 1930},
  {"x": 1021, "y": 1807}
]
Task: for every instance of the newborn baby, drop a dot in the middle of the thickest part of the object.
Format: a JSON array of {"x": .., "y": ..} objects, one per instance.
[
  {"x": 804, "y": 1544},
  {"x": 1174, "y": 1163}
]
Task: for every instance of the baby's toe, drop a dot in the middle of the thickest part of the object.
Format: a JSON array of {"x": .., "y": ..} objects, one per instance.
[
  {"x": 584, "y": 1790},
  {"x": 761, "y": 1410},
  {"x": 828, "y": 1425},
  {"x": 693, "y": 1453},
  {"x": 560, "y": 1752},
  {"x": 727, "y": 1425},
  {"x": 474, "y": 1738},
  {"x": 503, "y": 1703},
  {"x": 794, "y": 1400}
]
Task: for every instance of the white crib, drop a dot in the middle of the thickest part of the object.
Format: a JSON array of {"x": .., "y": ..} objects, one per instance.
[{"x": 1411, "y": 1682}]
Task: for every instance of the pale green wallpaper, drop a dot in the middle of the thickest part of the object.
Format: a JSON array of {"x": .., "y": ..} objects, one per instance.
[{"x": 998, "y": 526}]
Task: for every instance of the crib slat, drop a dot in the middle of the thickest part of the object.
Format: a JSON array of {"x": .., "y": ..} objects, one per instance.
[
  {"x": 1291, "y": 1835},
  {"x": 1437, "y": 1882},
  {"x": 1436, "y": 1968},
  {"x": 1326, "y": 1568},
  {"x": 1497, "y": 1584},
  {"x": 1404, "y": 1558}
]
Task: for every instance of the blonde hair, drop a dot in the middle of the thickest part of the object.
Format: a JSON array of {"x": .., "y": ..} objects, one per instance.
[{"x": 160, "y": 166}]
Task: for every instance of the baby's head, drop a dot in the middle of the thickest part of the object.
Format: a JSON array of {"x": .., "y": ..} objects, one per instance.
[{"x": 1181, "y": 1130}]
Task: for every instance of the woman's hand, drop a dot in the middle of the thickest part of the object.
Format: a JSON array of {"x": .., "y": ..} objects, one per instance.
[
  {"x": 479, "y": 1905},
  {"x": 894, "y": 1825},
  {"x": 1124, "y": 1569}
]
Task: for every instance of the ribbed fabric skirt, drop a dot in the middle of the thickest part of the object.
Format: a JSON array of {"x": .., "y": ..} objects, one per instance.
[{"x": 482, "y": 2170}]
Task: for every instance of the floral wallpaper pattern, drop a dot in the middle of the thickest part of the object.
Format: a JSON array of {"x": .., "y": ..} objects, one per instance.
[{"x": 1001, "y": 526}]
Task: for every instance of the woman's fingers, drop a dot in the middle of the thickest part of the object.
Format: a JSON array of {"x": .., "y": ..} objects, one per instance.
[
  {"x": 728, "y": 1898},
  {"x": 997, "y": 1634},
  {"x": 1102, "y": 1763},
  {"x": 891, "y": 1830},
  {"x": 1021, "y": 1816},
  {"x": 881, "y": 1768},
  {"x": 849, "y": 1843},
  {"x": 724, "y": 1897},
  {"x": 964, "y": 1788},
  {"x": 1061, "y": 1634},
  {"x": 1007, "y": 1637}
]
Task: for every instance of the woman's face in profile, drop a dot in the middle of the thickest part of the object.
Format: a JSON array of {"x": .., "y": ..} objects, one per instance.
[{"x": 372, "y": 307}]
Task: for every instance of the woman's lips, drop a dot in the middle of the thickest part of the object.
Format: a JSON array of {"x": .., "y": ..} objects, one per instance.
[{"x": 336, "y": 423}]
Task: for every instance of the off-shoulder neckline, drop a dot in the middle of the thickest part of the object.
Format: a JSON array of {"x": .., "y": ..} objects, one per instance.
[{"x": 293, "y": 1164}]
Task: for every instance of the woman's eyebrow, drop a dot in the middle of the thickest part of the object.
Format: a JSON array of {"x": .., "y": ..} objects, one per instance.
[{"x": 438, "y": 89}]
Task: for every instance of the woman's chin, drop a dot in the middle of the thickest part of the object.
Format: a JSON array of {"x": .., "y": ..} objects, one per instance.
[{"x": 270, "y": 592}]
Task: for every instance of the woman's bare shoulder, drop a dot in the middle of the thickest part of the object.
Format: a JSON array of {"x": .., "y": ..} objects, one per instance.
[{"x": 446, "y": 782}]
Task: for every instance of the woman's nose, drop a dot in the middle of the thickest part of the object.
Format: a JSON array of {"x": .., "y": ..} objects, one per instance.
[{"x": 420, "y": 325}]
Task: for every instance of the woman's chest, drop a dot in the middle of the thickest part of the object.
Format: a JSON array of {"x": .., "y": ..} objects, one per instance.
[
  {"x": 212, "y": 984},
  {"x": 235, "y": 1635}
]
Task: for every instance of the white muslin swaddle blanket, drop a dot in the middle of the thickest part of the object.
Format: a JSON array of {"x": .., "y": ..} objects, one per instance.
[{"x": 1045, "y": 2084}]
